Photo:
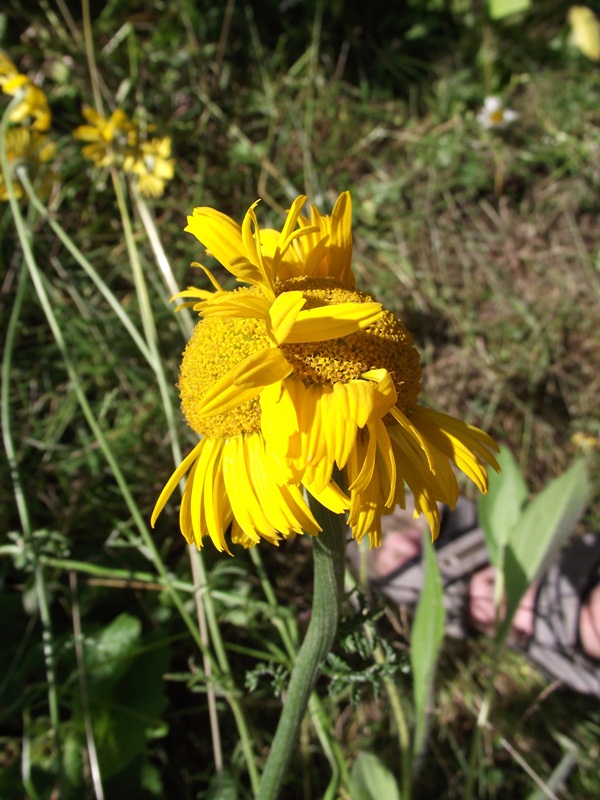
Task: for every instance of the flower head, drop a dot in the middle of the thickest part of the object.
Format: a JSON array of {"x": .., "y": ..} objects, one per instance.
[
  {"x": 110, "y": 140},
  {"x": 494, "y": 114},
  {"x": 33, "y": 108},
  {"x": 153, "y": 165},
  {"x": 584, "y": 442},
  {"x": 28, "y": 148},
  {"x": 300, "y": 381},
  {"x": 585, "y": 31}
]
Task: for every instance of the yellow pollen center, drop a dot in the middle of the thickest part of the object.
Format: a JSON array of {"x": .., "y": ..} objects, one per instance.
[{"x": 220, "y": 343}]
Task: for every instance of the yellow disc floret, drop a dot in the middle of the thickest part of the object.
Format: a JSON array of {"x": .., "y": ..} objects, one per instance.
[
  {"x": 220, "y": 343},
  {"x": 384, "y": 344},
  {"x": 217, "y": 345}
]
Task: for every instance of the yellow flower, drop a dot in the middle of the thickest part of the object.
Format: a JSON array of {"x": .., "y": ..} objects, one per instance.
[
  {"x": 153, "y": 165},
  {"x": 29, "y": 148},
  {"x": 585, "y": 31},
  {"x": 299, "y": 381},
  {"x": 584, "y": 442},
  {"x": 110, "y": 140},
  {"x": 34, "y": 105}
]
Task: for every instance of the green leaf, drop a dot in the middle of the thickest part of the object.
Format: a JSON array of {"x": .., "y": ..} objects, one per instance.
[
  {"x": 371, "y": 780},
  {"x": 499, "y": 510},
  {"x": 542, "y": 529},
  {"x": 504, "y": 8},
  {"x": 107, "y": 656},
  {"x": 425, "y": 641},
  {"x": 127, "y": 713}
]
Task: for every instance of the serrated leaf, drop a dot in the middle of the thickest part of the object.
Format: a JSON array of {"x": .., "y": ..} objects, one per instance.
[
  {"x": 371, "y": 780},
  {"x": 425, "y": 641},
  {"x": 499, "y": 510},
  {"x": 543, "y": 528}
]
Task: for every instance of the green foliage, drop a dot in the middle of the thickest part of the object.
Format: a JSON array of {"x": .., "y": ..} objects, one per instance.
[
  {"x": 371, "y": 780},
  {"x": 425, "y": 641},
  {"x": 500, "y": 509},
  {"x": 540, "y": 531},
  {"x": 504, "y": 8}
]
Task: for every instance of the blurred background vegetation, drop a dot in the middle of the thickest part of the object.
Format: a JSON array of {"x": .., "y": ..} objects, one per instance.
[{"x": 485, "y": 241}]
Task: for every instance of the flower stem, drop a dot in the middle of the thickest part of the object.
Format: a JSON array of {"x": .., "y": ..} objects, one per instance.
[{"x": 329, "y": 559}]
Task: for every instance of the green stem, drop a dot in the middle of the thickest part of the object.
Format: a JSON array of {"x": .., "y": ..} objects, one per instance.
[
  {"x": 329, "y": 560},
  {"x": 318, "y": 715}
]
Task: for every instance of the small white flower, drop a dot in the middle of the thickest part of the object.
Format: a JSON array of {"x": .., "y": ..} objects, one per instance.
[{"x": 494, "y": 115}]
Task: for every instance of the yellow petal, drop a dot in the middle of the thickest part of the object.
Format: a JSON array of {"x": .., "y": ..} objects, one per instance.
[
  {"x": 245, "y": 381},
  {"x": 414, "y": 432},
  {"x": 174, "y": 480},
  {"x": 211, "y": 519},
  {"x": 283, "y": 314},
  {"x": 340, "y": 242},
  {"x": 254, "y": 253},
  {"x": 279, "y": 419},
  {"x": 366, "y": 460},
  {"x": 219, "y": 234},
  {"x": 331, "y": 497},
  {"x": 240, "y": 491},
  {"x": 208, "y": 274},
  {"x": 465, "y": 445},
  {"x": 386, "y": 454},
  {"x": 332, "y": 322},
  {"x": 235, "y": 305},
  {"x": 185, "y": 515},
  {"x": 385, "y": 395}
]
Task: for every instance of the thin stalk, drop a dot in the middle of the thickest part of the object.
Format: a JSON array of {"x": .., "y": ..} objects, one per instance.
[
  {"x": 83, "y": 692},
  {"x": 26, "y": 760},
  {"x": 329, "y": 560},
  {"x": 56, "y": 330},
  {"x": 201, "y": 598},
  {"x": 87, "y": 267},
  {"x": 401, "y": 725},
  {"x": 223, "y": 662},
  {"x": 213, "y": 717},
  {"x": 124, "y": 576},
  {"x": 184, "y": 317},
  {"x": 91, "y": 57},
  {"x": 148, "y": 323},
  {"x": 40, "y": 582},
  {"x": 482, "y": 719},
  {"x": 150, "y": 353}
]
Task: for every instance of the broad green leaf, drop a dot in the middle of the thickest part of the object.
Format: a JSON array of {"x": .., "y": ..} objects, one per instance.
[
  {"x": 425, "y": 641},
  {"x": 501, "y": 507},
  {"x": 544, "y": 527},
  {"x": 504, "y": 8},
  {"x": 107, "y": 655},
  {"x": 371, "y": 780}
]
